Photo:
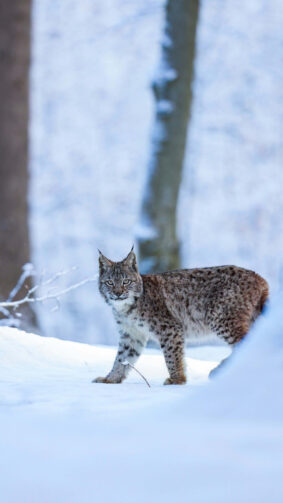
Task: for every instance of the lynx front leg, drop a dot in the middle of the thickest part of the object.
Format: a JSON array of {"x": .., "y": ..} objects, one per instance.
[
  {"x": 129, "y": 350},
  {"x": 174, "y": 351}
]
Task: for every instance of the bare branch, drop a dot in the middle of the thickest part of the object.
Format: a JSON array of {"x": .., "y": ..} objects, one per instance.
[
  {"x": 28, "y": 271},
  {"x": 4, "y": 311},
  {"x": 30, "y": 298}
]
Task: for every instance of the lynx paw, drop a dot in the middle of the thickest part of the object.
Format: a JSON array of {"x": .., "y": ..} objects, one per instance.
[
  {"x": 105, "y": 380},
  {"x": 180, "y": 380}
]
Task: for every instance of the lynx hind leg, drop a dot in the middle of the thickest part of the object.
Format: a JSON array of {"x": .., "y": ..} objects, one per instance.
[
  {"x": 129, "y": 349},
  {"x": 232, "y": 329},
  {"x": 173, "y": 347}
]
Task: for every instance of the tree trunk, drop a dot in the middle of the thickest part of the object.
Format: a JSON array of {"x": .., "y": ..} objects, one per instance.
[
  {"x": 156, "y": 234},
  {"x": 15, "y": 24}
]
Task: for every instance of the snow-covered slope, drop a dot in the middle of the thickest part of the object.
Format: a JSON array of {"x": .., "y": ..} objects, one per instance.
[
  {"x": 46, "y": 372},
  {"x": 65, "y": 439}
]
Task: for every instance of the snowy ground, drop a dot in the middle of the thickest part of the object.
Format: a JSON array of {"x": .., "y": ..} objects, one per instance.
[
  {"x": 65, "y": 439},
  {"x": 45, "y": 372}
]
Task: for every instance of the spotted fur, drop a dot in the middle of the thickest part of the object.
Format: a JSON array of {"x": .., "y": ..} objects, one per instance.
[{"x": 176, "y": 307}]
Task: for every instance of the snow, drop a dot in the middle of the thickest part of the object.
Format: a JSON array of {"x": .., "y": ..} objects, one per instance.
[
  {"x": 66, "y": 439},
  {"x": 165, "y": 107},
  {"x": 165, "y": 73},
  {"x": 41, "y": 370}
]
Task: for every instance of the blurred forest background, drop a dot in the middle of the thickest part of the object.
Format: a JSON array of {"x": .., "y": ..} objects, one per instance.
[{"x": 157, "y": 122}]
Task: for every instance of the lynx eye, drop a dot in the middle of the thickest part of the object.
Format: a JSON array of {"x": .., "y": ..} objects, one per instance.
[
  {"x": 109, "y": 282},
  {"x": 127, "y": 282}
]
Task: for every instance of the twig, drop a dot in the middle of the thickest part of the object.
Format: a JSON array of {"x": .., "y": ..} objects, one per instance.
[
  {"x": 28, "y": 271},
  {"x": 132, "y": 366}
]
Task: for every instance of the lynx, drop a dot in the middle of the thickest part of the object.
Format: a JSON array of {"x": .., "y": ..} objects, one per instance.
[{"x": 176, "y": 307}]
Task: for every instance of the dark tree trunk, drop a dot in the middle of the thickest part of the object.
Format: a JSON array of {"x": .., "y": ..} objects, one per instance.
[
  {"x": 156, "y": 234},
  {"x": 15, "y": 25}
]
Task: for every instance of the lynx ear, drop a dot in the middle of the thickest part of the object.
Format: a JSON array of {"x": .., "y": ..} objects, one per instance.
[
  {"x": 131, "y": 260},
  {"x": 104, "y": 262}
]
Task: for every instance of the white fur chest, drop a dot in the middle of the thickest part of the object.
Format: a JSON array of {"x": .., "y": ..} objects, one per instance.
[{"x": 133, "y": 324}]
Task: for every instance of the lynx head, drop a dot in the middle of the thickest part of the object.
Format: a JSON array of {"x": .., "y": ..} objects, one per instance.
[{"x": 120, "y": 282}]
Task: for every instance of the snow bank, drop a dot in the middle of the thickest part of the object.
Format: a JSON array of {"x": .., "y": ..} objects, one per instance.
[{"x": 64, "y": 439}]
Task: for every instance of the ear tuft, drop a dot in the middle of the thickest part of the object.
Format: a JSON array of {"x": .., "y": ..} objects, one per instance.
[
  {"x": 131, "y": 260},
  {"x": 104, "y": 262}
]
